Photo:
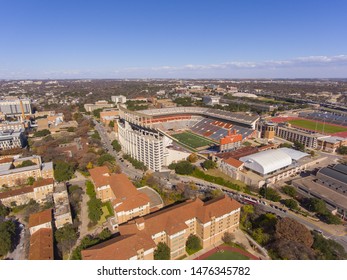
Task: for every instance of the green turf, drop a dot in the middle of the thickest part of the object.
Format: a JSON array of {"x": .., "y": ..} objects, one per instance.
[
  {"x": 317, "y": 126},
  {"x": 105, "y": 213},
  {"x": 192, "y": 140},
  {"x": 227, "y": 255}
]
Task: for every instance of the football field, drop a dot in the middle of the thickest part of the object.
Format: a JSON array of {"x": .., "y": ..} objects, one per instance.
[{"x": 192, "y": 140}]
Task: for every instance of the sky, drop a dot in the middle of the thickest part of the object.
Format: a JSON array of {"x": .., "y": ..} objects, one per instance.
[{"x": 58, "y": 39}]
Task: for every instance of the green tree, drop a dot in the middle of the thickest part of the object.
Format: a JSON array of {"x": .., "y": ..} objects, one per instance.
[
  {"x": 42, "y": 133},
  {"x": 105, "y": 234},
  {"x": 97, "y": 112},
  {"x": 162, "y": 252},
  {"x": 269, "y": 193},
  {"x": 116, "y": 145},
  {"x": 291, "y": 203},
  {"x": 193, "y": 243},
  {"x": 4, "y": 211},
  {"x": 184, "y": 167},
  {"x": 26, "y": 163},
  {"x": 329, "y": 218},
  {"x": 111, "y": 124},
  {"x": 259, "y": 236},
  {"x": 298, "y": 146},
  {"x": 342, "y": 150},
  {"x": 94, "y": 209},
  {"x": 328, "y": 249},
  {"x": 315, "y": 205},
  {"x": 66, "y": 237},
  {"x": 209, "y": 164},
  {"x": 289, "y": 190},
  {"x": 63, "y": 171},
  {"x": 30, "y": 181},
  {"x": 7, "y": 236},
  {"x": 105, "y": 158}
]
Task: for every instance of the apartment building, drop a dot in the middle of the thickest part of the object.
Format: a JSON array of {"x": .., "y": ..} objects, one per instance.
[
  {"x": 126, "y": 200},
  {"x": 207, "y": 220},
  {"x": 11, "y": 139},
  {"x": 149, "y": 147},
  {"x": 41, "y": 191},
  {"x": 12, "y": 173}
]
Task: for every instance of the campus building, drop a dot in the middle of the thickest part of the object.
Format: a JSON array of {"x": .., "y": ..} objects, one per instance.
[
  {"x": 41, "y": 191},
  {"x": 10, "y": 139},
  {"x": 126, "y": 200},
  {"x": 12, "y": 173},
  {"x": 62, "y": 211},
  {"x": 230, "y": 142},
  {"x": 98, "y": 105},
  {"x": 138, "y": 238},
  {"x": 41, "y": 239},
  {"x": 118, "y": 99},
  {"x": 15, "y": 107}
]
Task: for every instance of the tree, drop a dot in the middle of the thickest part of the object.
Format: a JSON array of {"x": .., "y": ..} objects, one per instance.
[
  {"x": 66, "y": 237},
  {"x": 63, "y": 171},
  {"x": 328, "y": 249},
  {"x": 25, "y": 163},
  {"x": 260, "y": 237},
  {"x": 162, "y": 252},
  {"x": 289, "y": 190},
  {"x": 315, "y": 205},
  {"x": 329, "y": 218},
  {"x": 209, "y": 164},
  {"x": 192, "y": 158},
  {"x": 228, "y": 238},
  {"x": 116, "y": 145},
  {"x": 111, "y": 124},
  {"x": 291, "y": 203},
  {"x": 105, "y": 158},
  {"x": 30, "y": 180},
  {"x": 193, "y": 243},
  {"x": 184, "y": 167},
  {"x": 269, "y": 193},
  {"x": 105, "y": 234},
  {"x": 94, "y": 209},
  {"x": 298, "y": 146},
  {"x": 342, "y": 150},
  {"x": 290, "y": 229},
  {"x": 4, "y": 211},
  {"x": 42, "y": 133},
  {"x": 7, "y": 236}
]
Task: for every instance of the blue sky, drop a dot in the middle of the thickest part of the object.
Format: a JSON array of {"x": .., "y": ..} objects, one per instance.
[{"x": 173, "y": 39}]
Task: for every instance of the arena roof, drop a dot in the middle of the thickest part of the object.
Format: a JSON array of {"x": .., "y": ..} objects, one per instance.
[
  {"x": 294, "y": 154},
  {"x": 267, "y": 161}
]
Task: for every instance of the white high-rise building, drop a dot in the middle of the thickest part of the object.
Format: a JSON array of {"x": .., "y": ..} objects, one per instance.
[{"x": 119, "y": 99}]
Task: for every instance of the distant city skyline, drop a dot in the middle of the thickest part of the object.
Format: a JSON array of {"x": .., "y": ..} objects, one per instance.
[{"x": 176, "y": 39}]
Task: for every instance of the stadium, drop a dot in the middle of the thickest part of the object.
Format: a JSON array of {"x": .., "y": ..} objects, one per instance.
[{"x": 158, "y": 137}]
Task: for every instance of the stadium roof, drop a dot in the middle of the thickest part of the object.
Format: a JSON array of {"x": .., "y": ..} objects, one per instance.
[
  {"x": 294, "y": 154},
  {"x": 267, "y": 161}
]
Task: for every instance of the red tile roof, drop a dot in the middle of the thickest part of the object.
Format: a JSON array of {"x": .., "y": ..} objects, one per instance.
[
  {"x": 40, "y": 218},
  {"x": 41, "y": 245},
  {"x": 233, "y": 162}
]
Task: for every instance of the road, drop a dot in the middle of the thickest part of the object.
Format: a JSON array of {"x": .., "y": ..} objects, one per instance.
[
  {"x": 133, "y": 173},
  {"x": 127, "y": 168}
]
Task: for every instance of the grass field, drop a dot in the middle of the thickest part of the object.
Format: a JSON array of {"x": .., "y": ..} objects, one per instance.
[
  {"x": 192, "y": 140},
  {"x": 318, "y": 126},
  {"x": 227, "y": 255}
]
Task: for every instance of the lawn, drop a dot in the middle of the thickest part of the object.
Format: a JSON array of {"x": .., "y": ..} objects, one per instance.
[
  {"x": 192, "y": 140},
  {"x": 105, "y": 214},
  {"x": 227, "y": 255},
  {"x": 318, "y": 126}
]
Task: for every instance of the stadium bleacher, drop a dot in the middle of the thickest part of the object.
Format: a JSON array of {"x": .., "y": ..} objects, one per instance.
[{"x": 325, "y": 116}]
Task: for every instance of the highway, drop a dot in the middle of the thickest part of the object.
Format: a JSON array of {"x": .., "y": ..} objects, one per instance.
[{"x": 133, "y": 173}]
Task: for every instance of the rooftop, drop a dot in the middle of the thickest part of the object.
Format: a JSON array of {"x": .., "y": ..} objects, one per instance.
[
  {"x": 41, "y": 245},
  {"x": 40, "y": 218}
]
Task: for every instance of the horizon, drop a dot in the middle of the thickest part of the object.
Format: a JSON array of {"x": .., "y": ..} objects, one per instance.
[{"x": 173, "y": 40}]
